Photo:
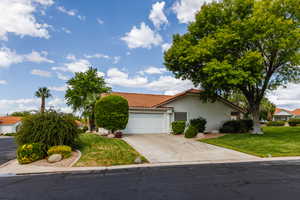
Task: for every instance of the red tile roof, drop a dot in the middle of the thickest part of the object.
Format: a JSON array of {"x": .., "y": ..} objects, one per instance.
[
  {"x": 9, "y": 120},
  {"x": 278, "y": 110},
  {"x": 296, "y": 111}
]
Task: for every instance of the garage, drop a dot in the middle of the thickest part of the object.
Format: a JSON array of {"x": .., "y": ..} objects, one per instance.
[{"x": 143, "y": 123}]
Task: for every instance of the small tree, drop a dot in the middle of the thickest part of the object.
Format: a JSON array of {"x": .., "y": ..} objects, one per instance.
[
  {"x": 43, "y": 93},
  {"x": 111, "y": 113}
]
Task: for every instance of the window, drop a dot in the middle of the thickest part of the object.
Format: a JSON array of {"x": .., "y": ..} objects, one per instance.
[{"x": 180, "y": 116}]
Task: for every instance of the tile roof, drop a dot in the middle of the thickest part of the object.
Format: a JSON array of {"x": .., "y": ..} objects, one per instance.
[
  {"x": 296, "y": 111},
  {"x": 9, "y": 120},
  {"x": 278, "y": 110}
]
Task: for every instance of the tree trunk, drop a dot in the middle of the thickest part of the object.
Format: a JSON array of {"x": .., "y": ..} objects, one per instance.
[
  {"x": 43, "y": 105},
  {"x": 255, "y": 111},
  {"x": 92, "y": 125}
]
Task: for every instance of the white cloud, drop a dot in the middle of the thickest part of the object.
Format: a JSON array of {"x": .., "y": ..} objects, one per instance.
[
  {"x": 3, "y": 82},
  {"x": 157, "y": 15},
  {"x": 117, "y": 77},
  {"x": 100, "y": 21},
  {"x": 153, "y": 70},
  {"x": 80, "y": 65},
  {"x": 42, "y": 73},
  {"x": 66, "y": 30},
  {"x": 100, "y": 74},
  {"x": 166, "y": 46},
  {"x": 9, "y": 57},
  {"x": 68, "y": 12},
  {"x": 82, "y": 18},
  {"x": 97, "y": 55},
  {"x": 116, "y": 59},
  {"x": 17, "y": 18},
  {"x": 37, "y": 57},
  {"x": 71, "y": 57},
  {"x": 288, "y": 98},
  {"x": 185, "y": 10},
  {"x": 143, "y": 37},
  {"x": 58, "y": 88},
  {"x": 62, "y": 76}
]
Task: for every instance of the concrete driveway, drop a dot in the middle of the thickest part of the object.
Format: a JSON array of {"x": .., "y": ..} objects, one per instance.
[{"x": 159, "y": 148}]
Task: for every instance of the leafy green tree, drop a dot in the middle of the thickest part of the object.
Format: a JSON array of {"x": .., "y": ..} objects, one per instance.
[
  {"x": 21, "y": 114},
  {"x": 244, "y": 46},
  {"x": 83, "y": 91},
  {"x": 112, "y": 113},
  {"x": 43, "y": 93}
]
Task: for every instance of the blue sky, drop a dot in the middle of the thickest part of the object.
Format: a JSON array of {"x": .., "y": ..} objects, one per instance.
[{"x": 43, "y": 42}]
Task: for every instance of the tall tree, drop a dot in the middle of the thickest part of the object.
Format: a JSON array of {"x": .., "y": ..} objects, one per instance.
[
  {"x": 43, "y": 93},
  {"x": 244, "y": 46},
  {"x": 83, "y": 91}
]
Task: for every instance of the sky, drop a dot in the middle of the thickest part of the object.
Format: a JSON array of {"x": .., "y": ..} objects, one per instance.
[{"x": 44, "y": 42}]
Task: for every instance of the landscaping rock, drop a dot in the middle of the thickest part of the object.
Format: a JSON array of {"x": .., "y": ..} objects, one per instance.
[
  {"x": 111, "y": 135},
  {"x": 54, "y": 158},
  {"x": 138, "y": 160}
]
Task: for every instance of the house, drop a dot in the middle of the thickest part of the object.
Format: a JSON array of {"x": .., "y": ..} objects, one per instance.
[
  {"x": 9, "y": 124},
  {"x": 151, "y": 113},
  {"x": 281, "y": 114}
]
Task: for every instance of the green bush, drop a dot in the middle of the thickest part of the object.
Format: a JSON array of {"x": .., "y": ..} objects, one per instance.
[
  {"x": 64, "y": 150},
  {"x": 10, "y": 134},
  {"x": 111, "y": 113},
  {"x": 28, "y": 153},
  {"x": 191, "y": 132},
  {"x": 85, "y": 129},
  {"x": 237, "y": 126},
  {"x": 199, "y": 123},
  {"x": 49, "y": 128},
  {"x": 178, "y": 127},
  {"x": 294, "y": 122},
  {"x": 276, "y": 123}
]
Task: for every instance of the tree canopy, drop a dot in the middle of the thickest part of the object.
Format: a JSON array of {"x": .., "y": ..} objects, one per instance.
[
  {"x": 245, "y": 46},
  {"x": 43, "y": 93}
]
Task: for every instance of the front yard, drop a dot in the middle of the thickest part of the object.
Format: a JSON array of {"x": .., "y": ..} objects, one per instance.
[
  {"x": 102, "y": 151},
  {"x": 276, "y": 141}
]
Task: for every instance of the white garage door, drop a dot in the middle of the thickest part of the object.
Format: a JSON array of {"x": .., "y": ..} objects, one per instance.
[{"x": 146, "y": 123}]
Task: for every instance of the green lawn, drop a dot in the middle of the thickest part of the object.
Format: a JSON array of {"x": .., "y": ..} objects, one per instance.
[
  {"x": 102, "y": 151},
  {"x": 276, "y": 141}
]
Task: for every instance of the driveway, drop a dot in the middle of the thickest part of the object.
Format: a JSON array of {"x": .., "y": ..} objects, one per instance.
[
  {"x": 159, "y": 148},
  {"x": 7, "y": 149}
]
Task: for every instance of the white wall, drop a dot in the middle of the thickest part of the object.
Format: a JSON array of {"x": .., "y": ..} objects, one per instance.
[
  {"x": 215, "y": 113},
  {"x": 8, "y": 128}
]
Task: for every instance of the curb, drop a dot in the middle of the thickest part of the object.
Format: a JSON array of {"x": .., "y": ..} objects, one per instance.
[{"x": 76, "y": 160}]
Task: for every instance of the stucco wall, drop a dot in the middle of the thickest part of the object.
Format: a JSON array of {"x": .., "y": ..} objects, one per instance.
[
  {"x": 215, "y": 113},
  {"x": 8, "y": 128}
]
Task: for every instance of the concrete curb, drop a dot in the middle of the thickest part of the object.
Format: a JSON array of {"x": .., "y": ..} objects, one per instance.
[{"x": 76, "y": 160}]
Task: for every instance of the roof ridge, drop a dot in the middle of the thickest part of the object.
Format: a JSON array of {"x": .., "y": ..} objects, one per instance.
[{"x": 144, "y": 94}]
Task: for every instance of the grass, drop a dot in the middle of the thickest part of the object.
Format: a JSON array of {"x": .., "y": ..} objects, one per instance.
[
  {"x": 276, "y": 141},
  {"x": 102, "y": 151}
]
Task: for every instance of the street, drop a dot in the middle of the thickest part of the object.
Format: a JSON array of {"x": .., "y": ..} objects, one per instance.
[
  {"x": 7, "y": 150},
  {"x": 263, "y": 180}
]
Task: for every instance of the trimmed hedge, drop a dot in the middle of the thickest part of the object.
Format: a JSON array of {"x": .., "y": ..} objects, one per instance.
[
  {"x": 294, "y": 122},
  {"x": 111, "y": 113},
  {"x": 50, "y": 128},
  {"x": 64, "y": 150},
  {"x": 237, "y": 126},
  {"x": 178, "y": 127},
  {"x": 28, "y": 153},
  {"x": 276, "y": 123},
  {"x": 199, "y": 123},
  {"x": 191, "y": 132}
]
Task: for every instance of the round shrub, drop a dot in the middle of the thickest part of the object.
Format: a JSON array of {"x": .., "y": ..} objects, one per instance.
[
  {"x": 111, "y": 113},
  {"x": 199, "y": 123},
  {"x": 64, "y": 150},
  {"x": 237, "y": 126},
  {"x": 191, "y": 132},
  {"x": 28, "y": 153},
  {"x": 178, "y": 127},
  {"x": 276, "y": 123},
  {"x": 294, "y": 122},
  {"x": 49, "y": 128}
]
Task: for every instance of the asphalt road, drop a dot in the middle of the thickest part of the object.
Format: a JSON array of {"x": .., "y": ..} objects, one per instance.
[
  {"x": 7, "y": 149},
  {"x": 266, "y": 181}
]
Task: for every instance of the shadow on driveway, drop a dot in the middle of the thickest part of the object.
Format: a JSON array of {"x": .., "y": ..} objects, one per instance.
[{"x": 7, "y": 149}]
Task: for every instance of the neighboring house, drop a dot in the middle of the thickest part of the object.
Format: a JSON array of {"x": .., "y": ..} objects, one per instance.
[
  {"x": 150, "y": 113},
  {"x": 9, "y": 124},
  {"x": 281, "y": 114}
]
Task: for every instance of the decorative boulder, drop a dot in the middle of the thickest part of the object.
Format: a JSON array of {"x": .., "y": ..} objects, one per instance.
[
  {"x": 54, "y": 158},
  {"x": 111, "y": 135},
  {"x": 138, "y": 160}
]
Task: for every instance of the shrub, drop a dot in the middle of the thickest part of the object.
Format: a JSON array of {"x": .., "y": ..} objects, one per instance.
[
  {"x": 50, "y": 128},
  {"x": 28, "y": 153},
  {"x": 64, "y": 150},
  {"x": 199, "y": 123},
  {"x": 118, "y": 134},
  {"x": 111, "y": 113},
  {"x": 294, "y": 122},
  {"x": 237, "y": 126},
  {"x": 85, "y": 129},
  {"x": 276, "y": 123},
  {"x": 191, "y": 132},
  {"x": 178, "y": 127}
]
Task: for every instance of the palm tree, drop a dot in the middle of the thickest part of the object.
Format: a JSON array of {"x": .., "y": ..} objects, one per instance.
[{"x": 43, "y": 93}]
